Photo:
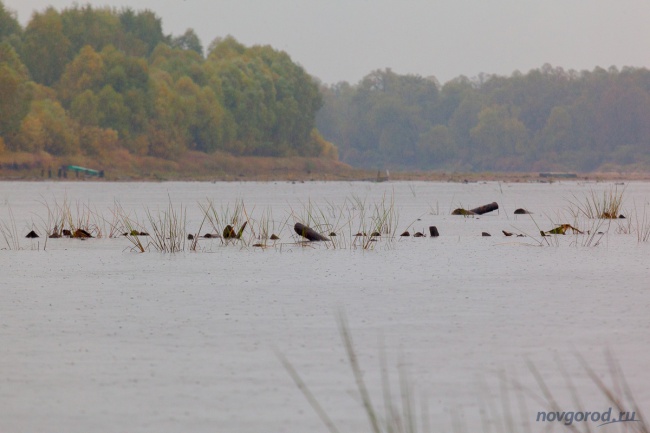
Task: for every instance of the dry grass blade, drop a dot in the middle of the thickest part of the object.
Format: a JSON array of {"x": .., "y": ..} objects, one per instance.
[
  {"x": 550, "y": 400},
  {"x": 619, "y": 379},
  {"x": 356, "y": 371},
  {"x": 10, "y": 232},
  {"x": 574, "y": 392},
  {"x": 302, "y": 386}
]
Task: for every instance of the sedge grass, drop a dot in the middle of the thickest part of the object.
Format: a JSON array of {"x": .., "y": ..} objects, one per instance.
[
  {"x": 595, "y": 206},
  {"x": 168, "y": 228},
  {"x": 9, "y": 232}
]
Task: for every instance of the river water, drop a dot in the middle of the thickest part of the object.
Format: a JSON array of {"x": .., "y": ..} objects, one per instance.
[{"x": 96, "y": 336}]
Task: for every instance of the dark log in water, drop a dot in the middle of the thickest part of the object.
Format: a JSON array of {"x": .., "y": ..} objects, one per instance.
[
  {"x": 309, "y": 233},
  {"x": 486, "y": 208}
]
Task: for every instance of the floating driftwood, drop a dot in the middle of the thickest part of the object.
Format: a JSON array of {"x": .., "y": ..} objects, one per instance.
[
  {"x": 433, "y": 231},
  {"x": 486, "y": 208},
  {"x": 477, "y": 211},
  {"x": 309, "y": 233}
]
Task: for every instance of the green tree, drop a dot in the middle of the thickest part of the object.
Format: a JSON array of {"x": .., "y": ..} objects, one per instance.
[
  {"x": 8, "y": 23},
  {"x": 85, "y": 72},
  {"x": 497, "y": 135},
  {"x": 188, "y": 41},
  {"x": 46, "y": 49}
]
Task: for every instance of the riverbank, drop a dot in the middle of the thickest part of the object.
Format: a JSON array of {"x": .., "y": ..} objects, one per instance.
[{"x": 122, "y": 166}]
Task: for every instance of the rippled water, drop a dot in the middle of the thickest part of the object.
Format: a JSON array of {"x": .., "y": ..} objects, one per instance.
[{"x": 96, "y": 337}]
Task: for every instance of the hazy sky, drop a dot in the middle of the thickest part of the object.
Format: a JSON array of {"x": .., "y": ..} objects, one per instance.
[{"x": 338, "y": 40}]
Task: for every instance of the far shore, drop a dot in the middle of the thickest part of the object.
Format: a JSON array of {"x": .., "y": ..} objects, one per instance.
[{"x": 122, "y": 166}]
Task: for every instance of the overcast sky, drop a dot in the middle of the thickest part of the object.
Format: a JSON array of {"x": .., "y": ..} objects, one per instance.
[{"x": 338, "y": 40}]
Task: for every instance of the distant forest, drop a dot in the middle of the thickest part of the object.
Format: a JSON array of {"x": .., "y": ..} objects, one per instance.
[
  {"x": 91, "y": 81},
  {"x": 100, "y": 81},
  {"x": 547, "y": 119}
]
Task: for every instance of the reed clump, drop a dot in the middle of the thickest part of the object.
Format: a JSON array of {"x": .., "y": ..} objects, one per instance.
[{"x": 607, "y": 205}]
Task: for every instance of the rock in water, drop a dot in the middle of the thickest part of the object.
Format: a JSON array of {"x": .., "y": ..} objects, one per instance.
[
  {"x": 309, "y": 233},
  {"x": 81, "y": 233}
]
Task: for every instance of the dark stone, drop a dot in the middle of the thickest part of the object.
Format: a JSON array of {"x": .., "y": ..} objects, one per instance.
[
  {"x": 433, "y": 231},
  {"x": 418, "y": 235},
  {"x": 521, "y": 211},
  {"x": 67, "y": 233},
  {"x": 406, "y": 233},
  {"x": 190, "y": 237},
  {"x": 375, "y": 234},
  {"x": 229, "y": 232},
  {"x": 275, "y": 237},
  {"x": 32, "y": 235},
  {"x": 463, "y": 212},
  {"x": 506, "y": 233},
  {"x": 144, "y": 234},
  {"x": 81, "y": 233},
  {"x": 485, "y": 234}
]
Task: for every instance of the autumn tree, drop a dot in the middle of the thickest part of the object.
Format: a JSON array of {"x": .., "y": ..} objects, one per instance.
[{"x": 15, "y": 90}]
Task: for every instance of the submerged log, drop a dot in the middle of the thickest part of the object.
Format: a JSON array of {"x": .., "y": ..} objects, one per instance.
[
  {"x": 309, "y": 233},
  {"x": 477, "y": 211},
  {"x": 486, "y": 208}
]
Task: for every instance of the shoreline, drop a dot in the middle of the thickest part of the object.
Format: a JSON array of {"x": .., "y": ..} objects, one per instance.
[
  {"x": 354, "y": 175},
  {"x": 121, "y": 166}
]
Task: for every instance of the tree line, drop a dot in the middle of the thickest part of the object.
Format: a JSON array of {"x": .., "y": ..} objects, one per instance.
[
  {"x": 96, "y": 80},
  {"x": 547, "y": 119}
]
